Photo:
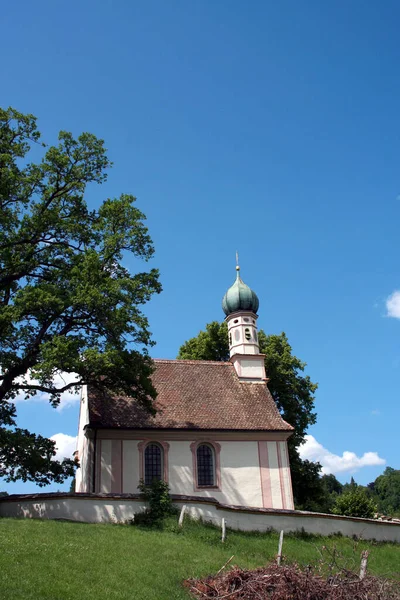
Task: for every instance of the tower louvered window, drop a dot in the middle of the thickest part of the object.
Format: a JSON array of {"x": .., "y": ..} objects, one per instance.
[
  {"x": 153, "y": 463},
  {"x": 205, "y": 466}
]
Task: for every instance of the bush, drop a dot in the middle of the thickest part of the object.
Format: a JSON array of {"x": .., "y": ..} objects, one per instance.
[
  {"x": 159, "y": 503},
  {"x": 355, "y": 503}
]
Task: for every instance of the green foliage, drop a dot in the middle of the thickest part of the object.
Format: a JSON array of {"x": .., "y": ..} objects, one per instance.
[
  {"x": 308, "y": 491},
  {"x": 386, "y": 491},
  {"x": 331, "y": 484},
  {"x": 332, "y": 489},
  {"x": 355, "y": 503},
  {"x": 67, "y": 303},
  {"x": 211, "y": 344},
  {"x": 292, "y": 391},
  {"x": 159, "y": 503}
]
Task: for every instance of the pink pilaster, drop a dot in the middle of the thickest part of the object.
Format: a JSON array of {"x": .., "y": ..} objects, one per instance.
[
  {"x": 265, "y": 475},
  {"x": 281, "y": 479}
]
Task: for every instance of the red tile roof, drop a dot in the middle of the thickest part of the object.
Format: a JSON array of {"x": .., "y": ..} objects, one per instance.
[{"x": 192, "y": 395}]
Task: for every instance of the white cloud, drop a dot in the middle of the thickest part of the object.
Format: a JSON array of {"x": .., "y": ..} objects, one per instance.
[
  {"x": 393, "y": 305},
  {"x": 65, "y": 445},
  {"x": 67, "y": 399},
  {"x": 333, "y": 463}
]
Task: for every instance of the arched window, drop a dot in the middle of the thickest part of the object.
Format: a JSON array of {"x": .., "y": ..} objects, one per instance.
[
  {"x": 205, "y": 466},
  {"x": 153, "y": 463}
]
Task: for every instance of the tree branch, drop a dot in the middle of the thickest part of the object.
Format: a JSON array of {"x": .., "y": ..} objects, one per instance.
[{"x": 48, "y": 390}]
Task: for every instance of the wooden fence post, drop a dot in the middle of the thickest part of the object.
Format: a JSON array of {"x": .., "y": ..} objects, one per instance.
[
  {"x": 180, "y": 522},
  {"x": 223, "y": 529},
  {"x": 364, "y": 561},
  {"x": 279, "y": 557}
]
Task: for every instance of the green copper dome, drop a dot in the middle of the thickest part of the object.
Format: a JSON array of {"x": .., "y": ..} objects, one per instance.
[{"x": 239, "y": 297}]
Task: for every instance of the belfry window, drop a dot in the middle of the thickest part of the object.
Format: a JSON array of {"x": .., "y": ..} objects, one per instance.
[
  {"x": 247, "y": 334},
  {"x": 205, "y": 466},
  {"x": 153, "y": 463}
]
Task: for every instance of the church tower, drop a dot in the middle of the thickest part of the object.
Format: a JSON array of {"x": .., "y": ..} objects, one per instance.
[{"x": 240, "y": 305}]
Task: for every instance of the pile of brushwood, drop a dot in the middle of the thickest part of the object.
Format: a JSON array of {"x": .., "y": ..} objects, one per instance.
[{"x": 289, "y": 582}]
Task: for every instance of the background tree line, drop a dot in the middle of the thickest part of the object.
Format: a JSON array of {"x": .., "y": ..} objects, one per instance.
[{"x": 383, "y": 494}]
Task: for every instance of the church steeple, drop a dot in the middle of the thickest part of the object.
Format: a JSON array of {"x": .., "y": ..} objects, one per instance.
[
  {"x": 239, "y": 297},
  {"x": 240, "y": 305}
]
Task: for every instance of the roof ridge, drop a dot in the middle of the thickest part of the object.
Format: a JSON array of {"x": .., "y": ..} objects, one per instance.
[{"x": 193, "y": 362}]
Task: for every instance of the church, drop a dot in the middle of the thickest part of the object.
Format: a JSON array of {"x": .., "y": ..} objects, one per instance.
[{"x": 217, "y": 431}]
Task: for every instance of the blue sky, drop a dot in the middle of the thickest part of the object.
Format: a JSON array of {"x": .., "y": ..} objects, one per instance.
[{"x": 271, "y": 128}]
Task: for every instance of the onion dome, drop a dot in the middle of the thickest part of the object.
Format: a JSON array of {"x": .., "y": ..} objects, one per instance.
[{"x": 239, "y": 297}]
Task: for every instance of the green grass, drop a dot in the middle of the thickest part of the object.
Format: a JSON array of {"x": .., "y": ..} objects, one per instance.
[{"x": 70, "y": 561}]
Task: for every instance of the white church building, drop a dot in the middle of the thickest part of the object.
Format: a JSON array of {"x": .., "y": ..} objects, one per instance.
[{"x": 217, "y": 431}]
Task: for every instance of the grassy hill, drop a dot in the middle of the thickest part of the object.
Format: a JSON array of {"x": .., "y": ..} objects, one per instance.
[{"x": 70, "y": 561}]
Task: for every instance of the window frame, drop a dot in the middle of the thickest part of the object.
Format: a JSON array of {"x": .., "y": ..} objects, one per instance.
[
  {"x": 164, "y": 447},
  {"x": 216, "y": 450}
]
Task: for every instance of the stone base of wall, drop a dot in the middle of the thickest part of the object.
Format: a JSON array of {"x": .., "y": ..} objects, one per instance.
[{"x": 121, "y": 508}]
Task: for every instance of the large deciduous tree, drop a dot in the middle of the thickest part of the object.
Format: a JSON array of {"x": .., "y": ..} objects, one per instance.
[
  {"x": 67, "y": 302},
  {"x": 292, "y": 391}
]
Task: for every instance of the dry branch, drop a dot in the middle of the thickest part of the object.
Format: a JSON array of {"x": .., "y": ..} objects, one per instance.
[{"x": 281, "y": 583}]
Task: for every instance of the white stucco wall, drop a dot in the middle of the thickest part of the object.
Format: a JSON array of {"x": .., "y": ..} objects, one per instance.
[
  {"x": 252, "y": 473},
  {"x": 130, "y": 470},
  {"x": 240, "y": 471},
  {"x": 74, "y": 509},
  {"x": 120, "y": 510}
]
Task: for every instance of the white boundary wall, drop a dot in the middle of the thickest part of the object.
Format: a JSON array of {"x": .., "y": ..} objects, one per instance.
[{"x": 109, "y": 508}]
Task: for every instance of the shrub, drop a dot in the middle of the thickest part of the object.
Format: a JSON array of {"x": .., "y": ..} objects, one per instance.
[
  {"x": 355, "y": 503},
  {"x": 159, "y": 503}
]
